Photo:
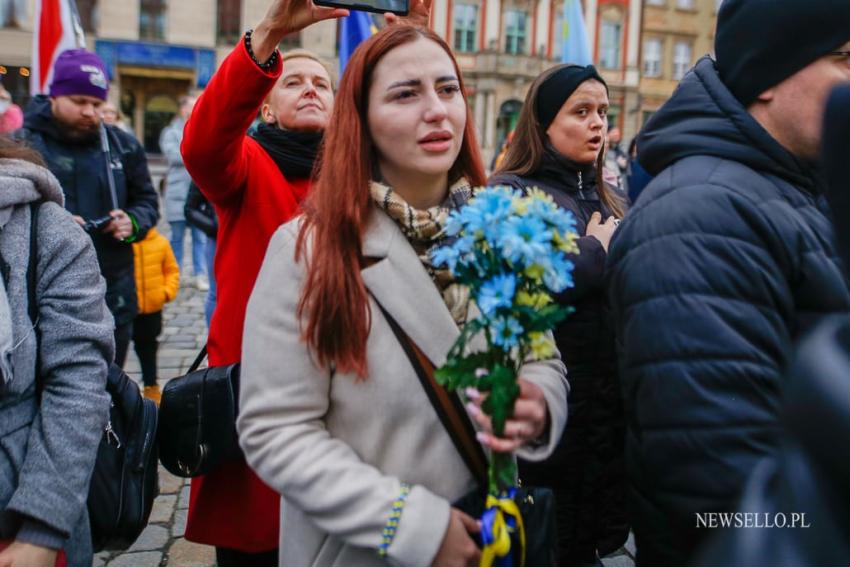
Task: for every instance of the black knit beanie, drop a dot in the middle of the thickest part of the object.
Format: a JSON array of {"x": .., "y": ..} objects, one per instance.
[{"x": 760, "y": 43}]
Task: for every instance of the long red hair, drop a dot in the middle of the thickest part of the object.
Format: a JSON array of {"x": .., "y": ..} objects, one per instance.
[{"x": 334, "y": 307}]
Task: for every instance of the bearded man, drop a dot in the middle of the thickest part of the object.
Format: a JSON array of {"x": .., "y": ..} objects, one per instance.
[{"x": 64, "y": 127}]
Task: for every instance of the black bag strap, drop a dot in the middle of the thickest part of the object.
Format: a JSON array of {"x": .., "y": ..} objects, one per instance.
[
  {"x": 32, "y": 299},
  {"x": 198, "y": 359},
  {"x": 32, "y": 265},
  {"x": 448, "y": 406}
]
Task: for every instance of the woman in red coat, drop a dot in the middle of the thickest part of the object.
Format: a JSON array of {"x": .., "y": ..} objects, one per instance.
[{"x": 256, "y": 184}]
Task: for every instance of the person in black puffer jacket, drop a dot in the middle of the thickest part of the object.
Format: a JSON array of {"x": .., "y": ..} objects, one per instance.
[
  {"x": 559, "y": 146},
  {"x": 726, "y": 260},
  {"x": 65, "y": 129},
  {"x": 809, "y": 476}
]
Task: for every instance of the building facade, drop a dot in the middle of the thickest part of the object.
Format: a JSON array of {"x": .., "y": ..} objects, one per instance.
[
  {"x": 674, "y": 35},
  {"x": 157, "y": 50}
]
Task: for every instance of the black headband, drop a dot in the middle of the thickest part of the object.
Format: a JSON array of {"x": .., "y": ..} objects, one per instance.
[{"x": 555, "y": 90}]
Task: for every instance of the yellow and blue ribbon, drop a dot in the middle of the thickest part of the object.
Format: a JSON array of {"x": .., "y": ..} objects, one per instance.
[{"x": 501, "y": 519}]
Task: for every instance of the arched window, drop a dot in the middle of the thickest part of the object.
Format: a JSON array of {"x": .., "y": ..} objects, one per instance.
[
  {"x": 506, "y": 122},
  {"x": 159, "y": 110}
]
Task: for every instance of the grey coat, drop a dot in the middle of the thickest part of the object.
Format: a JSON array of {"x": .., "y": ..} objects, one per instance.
[
  {"x": 177, "y": 180},
  {"x": 48, "y": 449}
]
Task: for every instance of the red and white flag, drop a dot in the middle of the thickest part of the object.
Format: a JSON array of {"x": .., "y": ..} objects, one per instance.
[{"x": 56, "y": 29}]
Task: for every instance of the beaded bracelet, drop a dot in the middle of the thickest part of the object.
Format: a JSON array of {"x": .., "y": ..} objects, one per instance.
[
  {"x": 264, "y": 66},
  {"x": 392, "y": 524}
]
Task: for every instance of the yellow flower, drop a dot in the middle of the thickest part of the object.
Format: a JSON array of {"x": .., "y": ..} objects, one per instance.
[
  {"x": 535, "y": 272},
  {"x": 539, "y": 194},
  {"x": 519, "y": 205},
  {"x": 568, "y": 244},
  {"x": 537, "y": 300},
  {"x": 542, "y": 347}
]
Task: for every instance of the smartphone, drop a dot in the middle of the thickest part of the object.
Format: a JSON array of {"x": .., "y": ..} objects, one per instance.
[{"x": 399, "y": 7}]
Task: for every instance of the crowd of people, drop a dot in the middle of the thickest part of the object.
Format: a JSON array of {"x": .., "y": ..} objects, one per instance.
[{"x": 706, "y": 254}]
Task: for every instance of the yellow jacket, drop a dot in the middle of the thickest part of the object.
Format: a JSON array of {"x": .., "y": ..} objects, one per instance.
[{"x": 157, "y": 273}]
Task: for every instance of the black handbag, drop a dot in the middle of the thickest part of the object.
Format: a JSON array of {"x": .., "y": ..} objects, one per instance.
[
  {"x": 536, "y": 504},
  {"x": 199, "y": 212},
  {"x": 124, "y": 481},
  {"x": 197, "y": 415}
]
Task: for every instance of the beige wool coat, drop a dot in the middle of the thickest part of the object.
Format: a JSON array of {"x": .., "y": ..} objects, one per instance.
[{"x": 338, "y": 449}]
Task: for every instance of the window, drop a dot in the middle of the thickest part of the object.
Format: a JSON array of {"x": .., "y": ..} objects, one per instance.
[
  {"x": 465, "y": 27},
  {"x": 515, "y": 31},
  {"x": 13, "y": 13},
  {"x": 87, "y": 10},
  {"x": 681, "y": 59},
  {"x": 228, "y": 20},
  {"x": 558, "y": 33},
  {"x": 609, "y": 44},
  {"x": 152, "y": 19},
  {"x": 655, "y": 2},
  {"x": 652, "y": 58},
  {"x": 685, "y": 4}
]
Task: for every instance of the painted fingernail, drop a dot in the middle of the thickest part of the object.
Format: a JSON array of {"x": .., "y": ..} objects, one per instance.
[
  {"x": 473, "y": 409},
  {"x": 482, "y": 437},
  {"x": 472, "y": 393}
]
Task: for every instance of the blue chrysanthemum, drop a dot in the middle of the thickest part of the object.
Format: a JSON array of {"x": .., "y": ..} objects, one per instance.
[
  {"x": 506, "y": 332},
  {"x": 524, "y": 240},
  {"x": 460, "y": 251},
  {"x": 496, "y": 293},
  {"x": 561, "y": 219},
  {"x": 558, "y": 272}
]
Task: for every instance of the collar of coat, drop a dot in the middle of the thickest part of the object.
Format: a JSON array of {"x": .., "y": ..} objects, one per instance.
[{"x": 396, "y": 278}]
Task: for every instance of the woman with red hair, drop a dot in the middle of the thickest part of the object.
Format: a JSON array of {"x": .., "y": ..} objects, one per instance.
[{"x": 332, "y": 413}]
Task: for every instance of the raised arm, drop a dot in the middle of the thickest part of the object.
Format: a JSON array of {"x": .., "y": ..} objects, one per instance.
[{"x": 214, "y": 142}]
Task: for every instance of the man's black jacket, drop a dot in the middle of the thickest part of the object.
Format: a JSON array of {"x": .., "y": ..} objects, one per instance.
[
  {"x": 724, "y": 261},
  {"x": 81, "y": 171}
]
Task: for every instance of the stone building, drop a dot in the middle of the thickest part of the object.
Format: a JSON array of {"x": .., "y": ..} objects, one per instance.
[
  {"x": 675, "y": 34},
  {"x": 159, "y": 49}
]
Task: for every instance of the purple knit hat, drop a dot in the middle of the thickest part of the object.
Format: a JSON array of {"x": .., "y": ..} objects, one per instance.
[{"x": 79, "y": 72}]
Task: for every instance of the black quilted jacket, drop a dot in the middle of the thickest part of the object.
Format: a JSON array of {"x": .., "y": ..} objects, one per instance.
[
  {"x": 586, "y": 471},
  {"x": 725, "y": 260}
]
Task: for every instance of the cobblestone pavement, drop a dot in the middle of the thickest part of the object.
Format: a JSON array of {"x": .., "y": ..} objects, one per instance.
[{"x": 162, "y": 542}]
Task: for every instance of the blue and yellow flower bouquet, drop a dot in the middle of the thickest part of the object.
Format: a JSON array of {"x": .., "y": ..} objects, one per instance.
[{"x": 510, "y": 250}]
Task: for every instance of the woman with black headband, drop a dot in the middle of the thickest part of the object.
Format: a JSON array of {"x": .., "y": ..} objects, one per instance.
[{"x": 559, "y": 146}]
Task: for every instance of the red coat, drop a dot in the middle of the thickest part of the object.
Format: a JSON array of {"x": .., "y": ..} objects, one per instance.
[{"x": 232, "y": 507}]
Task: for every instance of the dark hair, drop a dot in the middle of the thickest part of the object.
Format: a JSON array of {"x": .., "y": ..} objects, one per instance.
[
  {"x": 528, "y": 146},
  {"x": 11, "y": 149},
  {"x": 334, "y": 306}
]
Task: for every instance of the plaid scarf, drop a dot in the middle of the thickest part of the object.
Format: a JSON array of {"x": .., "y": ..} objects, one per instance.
[{"x": 424, "y": 231}]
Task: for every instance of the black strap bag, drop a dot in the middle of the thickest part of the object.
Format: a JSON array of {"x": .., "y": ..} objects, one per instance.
[
  {"x": 536, "y": 504},
  {"x": 124, "y": 481},
  {"x": 199, "y": 212},
  {"x": 197, "y": 417}
]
